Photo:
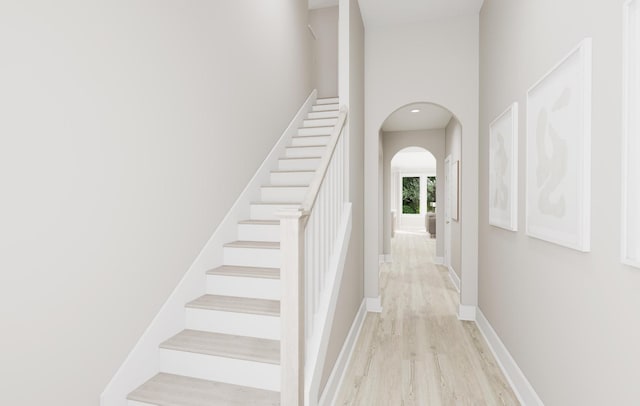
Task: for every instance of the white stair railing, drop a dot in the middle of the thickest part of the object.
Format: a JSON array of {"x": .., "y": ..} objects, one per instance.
[{"x": 309, "y": 262}]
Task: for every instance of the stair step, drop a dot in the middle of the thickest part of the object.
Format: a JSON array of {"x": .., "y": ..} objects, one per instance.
[
  {"x": 252, "y": 253},
  {"x": 328, "y": 100},
  {"x": 225, "y": 345},
  {"x": 305, "y": 151},
  {"x": 246, "y": 271},
  {"x": 240, "y": 316},
  {"x": 283, "y": 193},
  {"x": 268, "y": 210},
  {"x": 310, "y": 140},
  {"x": 238, "y": 360},
  {"x": 308, "y": 163},
  {"x": 302, "y": 178},
  {"x": 176, "y": 390},
  {"x": 326, "y": 107},
  {"x": 237, "y": 305},
  {"x": 324, "y": 114},
  {"x": 320, "y": 122},
  {"x": 310, "y": 131},
  {"x": 259, "y": 230}
]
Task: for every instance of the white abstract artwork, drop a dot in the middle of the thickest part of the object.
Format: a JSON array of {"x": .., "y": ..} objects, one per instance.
[
  {"x": 503, "y": 170},
  {"x": 631, "y": 136},
  {"x": 559, "y": 153}
]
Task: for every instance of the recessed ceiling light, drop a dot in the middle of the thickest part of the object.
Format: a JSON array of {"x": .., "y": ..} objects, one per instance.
[{"x": 415, "y": 111}]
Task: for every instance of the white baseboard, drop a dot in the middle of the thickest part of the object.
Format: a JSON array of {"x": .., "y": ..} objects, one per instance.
[
  {"x": 374, "y": 304},
  {"x": 381, "y": 259},
  {"x": 455, "y": 279},
  {"x": 438, "y": 260},
  {"x": 142, "y": 362},
  {"x": 384, "y": 258},
  {"x": 334, "y": 383},
  {"x": 518, "y": 381},
  {"x": 388, "y": 258},
  {"x": 467, "y": 313}
]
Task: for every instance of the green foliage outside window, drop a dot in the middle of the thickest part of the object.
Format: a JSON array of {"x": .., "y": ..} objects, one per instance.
[
  {"x": 431, "y": 193},
  {"x": 411, "y": 195}
]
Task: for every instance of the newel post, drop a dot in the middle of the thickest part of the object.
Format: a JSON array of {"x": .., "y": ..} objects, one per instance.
[{"x": 292, "y": 339}]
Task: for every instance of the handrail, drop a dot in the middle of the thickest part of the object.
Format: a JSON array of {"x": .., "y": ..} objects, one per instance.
[{"x": 321, "y": 173}]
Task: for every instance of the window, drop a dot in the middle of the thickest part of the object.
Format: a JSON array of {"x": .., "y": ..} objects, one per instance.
[
  {"x": 411, "y": 195},
  {"x": 431, "y": 194}
]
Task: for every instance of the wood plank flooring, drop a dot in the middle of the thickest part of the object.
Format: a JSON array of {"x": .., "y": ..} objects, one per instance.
[{"x": 417, "y": 352}]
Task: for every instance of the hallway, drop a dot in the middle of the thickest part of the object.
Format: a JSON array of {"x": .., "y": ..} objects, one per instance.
[{"x": 417, "y": 352}]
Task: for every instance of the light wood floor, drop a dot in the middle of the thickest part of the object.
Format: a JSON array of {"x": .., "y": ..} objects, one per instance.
[{"x": 417, "y": 352}]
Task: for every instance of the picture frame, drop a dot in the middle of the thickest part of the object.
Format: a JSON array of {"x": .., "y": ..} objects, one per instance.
[
  {"x": 455, "y": 200},
  {"x": 558, "y": 187},
  {"x": 630, "y": 224},
  {"x": 503, "y": 169}
]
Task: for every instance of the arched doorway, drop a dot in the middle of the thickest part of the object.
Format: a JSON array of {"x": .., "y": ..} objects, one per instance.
[{"x": 433, "y": 128}]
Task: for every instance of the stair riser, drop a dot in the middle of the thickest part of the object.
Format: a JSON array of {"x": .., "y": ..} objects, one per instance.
[
  {"x": 267, "y": 211},
  {"x": 327, "y": 100},
  {"x": 283, "y": 194},
  {"x": 292, "y": 178},
  {"x": 221, "y": 369},
  {"x": 323, "y": 114},
  {"x": 321, "y": 122},
  {"x": 298, "y": 164},
  {"x": 306, "y": 152},
  {"x": 306, "y": 141},
  {"x": 305, "y": 132},
  {"x": 256, "y": 257},
  {"x": 240, "y": 324},
  {"x": 256, "y": 288},
  {"x": 325, "y": 107},
  {"x": 259, "y": 232}
]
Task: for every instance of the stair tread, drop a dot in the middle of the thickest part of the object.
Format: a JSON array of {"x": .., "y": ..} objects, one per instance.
[
  {"x": 301, "y": 157},
  {"x": 176, "y": 390},
  {"x": 246, "y": 271},
  {"x": 225, "y": 345},
  {"x": 254, "y": 244},
  {"x": 237, "y": 304},
  {"x": 260, "y": 222},
  {"x": 293, "y": 171},
  {"x": 281, "y": 186}
]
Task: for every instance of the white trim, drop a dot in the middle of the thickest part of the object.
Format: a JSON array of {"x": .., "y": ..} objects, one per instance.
[
  {"x": 142, "y": 362},
  {"x": 467, "y": 313},
  {"x": 628, "y": 106},
  {"x": 374, "y": 304},
  {"x": 388, "y": 258},
  {"x": 438, "y": 260},
  {"x": 381, "y": 259},
  {"x": 455, "y": 279},
  {"x": 334, "y": 383},
  {"x": 517, "y": 379}
]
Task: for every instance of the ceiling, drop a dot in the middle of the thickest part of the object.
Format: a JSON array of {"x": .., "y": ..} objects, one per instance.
[
  {"x": 430, "y": 117},
  {"x": 391, "y": 12}
]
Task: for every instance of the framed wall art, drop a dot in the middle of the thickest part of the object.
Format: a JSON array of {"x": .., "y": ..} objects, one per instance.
[
  {"x": 503, "y": 170},
  {"x": 559, "y": 152},
  {"x": 631, "y": 136}
]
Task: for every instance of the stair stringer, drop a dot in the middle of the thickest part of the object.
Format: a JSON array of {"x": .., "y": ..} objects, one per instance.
[
  {"x": 143, "y": 362},
  {"x": 316, "y": 351}
]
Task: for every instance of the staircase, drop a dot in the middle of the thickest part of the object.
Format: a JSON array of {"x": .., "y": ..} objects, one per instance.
[{"x": 229, "y": 353}]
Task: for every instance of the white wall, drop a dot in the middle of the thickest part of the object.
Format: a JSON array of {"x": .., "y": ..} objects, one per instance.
[
  {"x": 324, "y": 22},
  {"x": 434, "y": 142},
  {"x": 123, "y": 124},
  {"x": 352, "y": 95},
  {"x": 454, "y": 150},
  {"x": 569, "y": 319},
  {"x": 427, "y": 62}
]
